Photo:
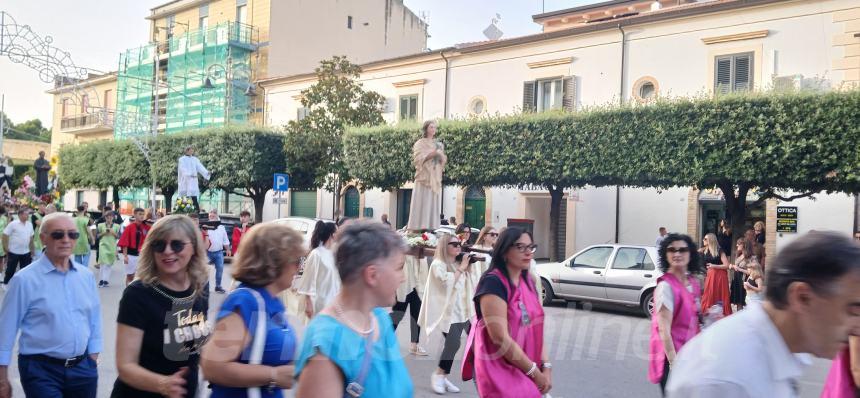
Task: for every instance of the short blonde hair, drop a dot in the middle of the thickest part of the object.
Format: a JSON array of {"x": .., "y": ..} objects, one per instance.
[
  {"x": 264, "y": 252},
  {"x": 197, "y": 270}
]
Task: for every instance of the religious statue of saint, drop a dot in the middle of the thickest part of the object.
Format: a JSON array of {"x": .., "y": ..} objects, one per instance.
[
  {"x": 428, "y": 157},
  {"x": 42, "y": 166},
  {"x": 188, "y": 168}
]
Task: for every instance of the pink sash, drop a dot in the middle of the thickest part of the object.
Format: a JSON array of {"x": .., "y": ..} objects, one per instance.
[
  {"x": 495, "y": 376},
  {"x": 840, "y": 383},
  {"x": 685, "y": 323}
]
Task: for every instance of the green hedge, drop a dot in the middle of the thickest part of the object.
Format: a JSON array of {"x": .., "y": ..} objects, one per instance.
[{"x": 788, "y": 141}]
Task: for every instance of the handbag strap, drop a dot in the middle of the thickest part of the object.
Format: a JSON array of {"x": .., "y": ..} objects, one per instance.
[
  {"x": 259, "y": 342},
  {"x": 356, "y": 388}
]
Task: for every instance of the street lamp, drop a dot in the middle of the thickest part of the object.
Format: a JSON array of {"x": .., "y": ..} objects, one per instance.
[{"x": 213, "y": 72}]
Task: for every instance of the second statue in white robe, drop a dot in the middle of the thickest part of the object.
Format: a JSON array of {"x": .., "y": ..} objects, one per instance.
[{"x": 188, "y": 168}]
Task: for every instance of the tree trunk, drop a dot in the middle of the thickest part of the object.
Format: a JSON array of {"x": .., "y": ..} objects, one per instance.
[
  {"x": 168, "y": 199},
  {"x": 555, "y": 194},
  {"x": 259, "y": 198},
  {"x": 115, "y": 198},
  {"x": 736, "y": 209}
]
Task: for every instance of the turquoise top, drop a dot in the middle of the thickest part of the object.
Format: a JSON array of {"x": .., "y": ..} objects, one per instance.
[{"x": 387, "y": 377}]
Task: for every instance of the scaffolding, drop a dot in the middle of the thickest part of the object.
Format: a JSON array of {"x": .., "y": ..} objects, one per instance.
[{"x": 202, "y": 79}]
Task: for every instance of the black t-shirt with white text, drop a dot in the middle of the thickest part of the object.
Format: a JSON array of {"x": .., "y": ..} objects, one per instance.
[{"x": 173, "y": 334}]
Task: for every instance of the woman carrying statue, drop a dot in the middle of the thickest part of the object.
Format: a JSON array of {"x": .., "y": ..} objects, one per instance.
[{"x": 428, "y": 157}]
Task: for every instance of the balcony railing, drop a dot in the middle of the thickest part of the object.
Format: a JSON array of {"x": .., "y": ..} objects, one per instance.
[{"x": 86, "y": 121}]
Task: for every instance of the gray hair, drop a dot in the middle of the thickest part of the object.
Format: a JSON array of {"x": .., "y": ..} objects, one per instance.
[
  {"x": 819, "y": 259},
  {"x": 50, "y": 218},
  {"x": 361, "y": 243}
]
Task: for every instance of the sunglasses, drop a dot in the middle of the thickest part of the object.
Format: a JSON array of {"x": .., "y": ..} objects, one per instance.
[
  {"x": 454, "y": 244},
  {"x": 175, "y": 245},
  {"x": 678, "y": 250},
  {"x": 526, "y": 248},
  {"x": 57, "y": 235},
  {"x": 493, "y": 234}
]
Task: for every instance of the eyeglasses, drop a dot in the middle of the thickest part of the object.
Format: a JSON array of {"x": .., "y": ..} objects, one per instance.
[
  {"x": 454, "y": 244},
  {"x": 525, "y": 248},
  {"x": 57, "y": 235},
  {"x": 678, "y": 250},
  {"x": 175, "y": 245}
]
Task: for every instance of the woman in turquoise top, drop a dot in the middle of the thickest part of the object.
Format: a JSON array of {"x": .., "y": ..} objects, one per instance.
[
  {"x": 266, "y": 263},
  {"x": 335, "y": 356}
]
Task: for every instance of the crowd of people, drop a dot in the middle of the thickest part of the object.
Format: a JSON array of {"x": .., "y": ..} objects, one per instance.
[{"x": 705, "y": 336}]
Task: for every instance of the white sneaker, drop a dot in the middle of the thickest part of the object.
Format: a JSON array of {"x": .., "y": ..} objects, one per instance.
[
  {"x": 437, "y": 383},
  {"x": 450, "y": 386},
  {"x": 418, "y": 351}
]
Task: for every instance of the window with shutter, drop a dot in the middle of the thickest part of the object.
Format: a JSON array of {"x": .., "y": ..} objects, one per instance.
[
  {"x": 529, "y": 94},
  {"x": 743, "y": 73},
  {"x": 569, "y": 100},
  {"x": 733, "y": 73},
  {"x": 409, "y": 107},
  {"x": 723, "y": 78}
]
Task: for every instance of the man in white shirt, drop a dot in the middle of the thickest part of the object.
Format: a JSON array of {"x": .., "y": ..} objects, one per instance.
[
  {"x": 812, "y": 306},
  {"x": 18, "y": 242},
  {"x": 218, "y": 244},
  {"x": 662, "y": 235},
  {"x": 187, "y": 169}
]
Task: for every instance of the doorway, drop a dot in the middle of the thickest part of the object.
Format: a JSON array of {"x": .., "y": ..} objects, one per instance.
[
  {"x": 475, "y": 207},
  {"x": 352, "y": 201},
  {"x": 404, "y": 201}
]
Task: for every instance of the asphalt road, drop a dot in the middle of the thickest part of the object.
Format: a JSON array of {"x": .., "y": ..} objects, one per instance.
[{"x": 597, "y": 351}]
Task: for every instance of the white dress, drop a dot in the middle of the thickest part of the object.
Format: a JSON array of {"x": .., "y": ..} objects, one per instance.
[
  {"x": 447, "y": 299},
  {"x": 320, "y": 279},
  {"x": 187, "y": 170}
]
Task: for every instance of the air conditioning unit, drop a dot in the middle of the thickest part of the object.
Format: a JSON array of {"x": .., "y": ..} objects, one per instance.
[{"x": 788, "y": 83}]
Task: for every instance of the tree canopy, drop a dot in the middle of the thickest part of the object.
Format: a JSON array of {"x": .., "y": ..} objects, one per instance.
[
  {"x": 31, "y": 130},
  {"x": 777, "y": 145}
]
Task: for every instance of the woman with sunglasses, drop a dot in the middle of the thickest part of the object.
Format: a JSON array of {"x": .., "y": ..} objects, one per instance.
[
  {"x": 161, "y": 325},
  {"x": 677, "y": 300},
  {"x": 509, "y": 355},
  {"x": 243, "y": 356},
  {"x": 486, "y": 240},
  {"x": 447, "y": 304}
]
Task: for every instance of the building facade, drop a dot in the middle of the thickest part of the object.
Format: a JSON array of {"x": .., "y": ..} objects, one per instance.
[
  {"x": 612, "y": 52},
  {"x": 202, "y": 58}
]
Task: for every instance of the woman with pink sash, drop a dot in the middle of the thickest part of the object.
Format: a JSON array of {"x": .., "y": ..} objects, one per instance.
[
  {"x": 677, "y": 300},
  {"x": 843, "y": 381},
  {"x": 509, "y": 357}
]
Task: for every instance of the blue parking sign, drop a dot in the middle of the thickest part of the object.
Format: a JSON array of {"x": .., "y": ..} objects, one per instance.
[{"x": 282, "y": 182}]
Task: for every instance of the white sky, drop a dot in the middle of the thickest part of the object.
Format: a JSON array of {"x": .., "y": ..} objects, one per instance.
[{"x": 96, "y": 31}]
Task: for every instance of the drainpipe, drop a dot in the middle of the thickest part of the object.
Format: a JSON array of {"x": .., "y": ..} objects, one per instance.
[
  {"x": 445, "y": 116},
  {"x": 621, "y": 102}
]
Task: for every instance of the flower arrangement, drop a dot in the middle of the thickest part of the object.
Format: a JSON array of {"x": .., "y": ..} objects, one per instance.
[
  {"x": 183, "y": 205},
  {"x": 25, "y": 195},
  {"x": 424, "y": 239}
]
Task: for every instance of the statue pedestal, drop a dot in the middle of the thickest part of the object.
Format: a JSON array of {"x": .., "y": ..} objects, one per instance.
[{"x": 421, "y": 252}]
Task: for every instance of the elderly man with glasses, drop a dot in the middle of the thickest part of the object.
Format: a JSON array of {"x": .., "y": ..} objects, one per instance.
[{"x": 54, "y": 304}]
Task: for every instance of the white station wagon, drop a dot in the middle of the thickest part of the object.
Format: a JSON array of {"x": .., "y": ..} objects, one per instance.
[{"x": 621, "y": 274}]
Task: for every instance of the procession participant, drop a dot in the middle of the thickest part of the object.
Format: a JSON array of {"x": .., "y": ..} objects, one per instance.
[
  {"x": 161, "y": 324},
  {"x": 677, "y": 299},
  {"x": 409, "y": 295},
  {"x": 320, "y": 282},
  {"x": 486, "y": 241},
  {"x": 131, "y": 242},
  {"x": 447, "y": 304},
  {"x": 18, "y": 243},
  {"x": 239, "y": 231},
  {"x": 429, "y": 159},
  {"x": 217, "y": 245},
  {"x": 509, "y": 355},
  {"x": 187, "y": 169},
  {"x": 351, "y": 343},
  {"x": 108, "y": 233},
  {"x": 85, "y": 239},
  {"x": 58, "y": 352},
  {"x": 253, "y": 346},
  {"x": 812, "y": 305}
]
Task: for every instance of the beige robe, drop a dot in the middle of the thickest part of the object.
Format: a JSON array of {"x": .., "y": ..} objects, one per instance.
[
  {"x": 438, "y": 308},
  {"x": 416, "y": 277},
  {"x": 426, "y": 206}
]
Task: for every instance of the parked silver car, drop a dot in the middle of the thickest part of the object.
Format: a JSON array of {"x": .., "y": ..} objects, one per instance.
[{"x": 622, "y": 274}]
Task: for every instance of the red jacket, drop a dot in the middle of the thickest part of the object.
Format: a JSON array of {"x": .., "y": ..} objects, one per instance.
[
  {"x": 131, "y": 239},
  {"x": 237, "y": 236}
]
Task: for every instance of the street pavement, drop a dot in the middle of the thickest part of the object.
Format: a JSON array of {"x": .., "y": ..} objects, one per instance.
[{"x": 596, "y": 351}]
